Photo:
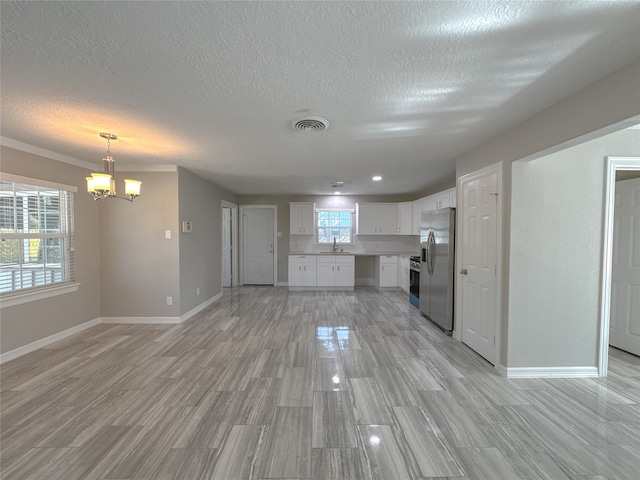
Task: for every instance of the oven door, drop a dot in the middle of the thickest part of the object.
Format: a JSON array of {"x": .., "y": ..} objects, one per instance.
[{"x": 414, "y": 282}]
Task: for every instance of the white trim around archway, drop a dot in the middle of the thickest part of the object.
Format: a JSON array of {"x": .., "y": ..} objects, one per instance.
[
  {"x": 235, "y": 277},
  {"x": 613, "y": 164}
]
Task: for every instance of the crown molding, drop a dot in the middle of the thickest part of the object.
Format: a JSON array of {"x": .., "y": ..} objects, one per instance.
[{"x": 43, "y": 152}]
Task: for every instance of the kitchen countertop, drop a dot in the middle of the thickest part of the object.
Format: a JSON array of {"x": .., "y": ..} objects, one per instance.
[{"x": 357, "y": 254}]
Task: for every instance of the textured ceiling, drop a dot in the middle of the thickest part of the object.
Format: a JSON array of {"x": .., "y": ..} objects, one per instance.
[{"x": 212, "y": 86}]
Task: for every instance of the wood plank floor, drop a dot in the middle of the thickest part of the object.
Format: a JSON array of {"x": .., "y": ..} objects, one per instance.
[{"x": 272, "y": 384}]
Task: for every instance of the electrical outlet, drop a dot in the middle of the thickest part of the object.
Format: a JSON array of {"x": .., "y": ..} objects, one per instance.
[
  {"x": 169, "y": 300},
  {"x": 197, "y": 291},
  {"x": 167, "y": 234}
]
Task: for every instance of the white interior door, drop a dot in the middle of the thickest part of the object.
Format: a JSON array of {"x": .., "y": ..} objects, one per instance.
[
  {"x": 478, "y": 269},
  {"x": 624, "y": 323},
  {"x": 226, "y": 247},
  {"x": 258, "y": 246}
]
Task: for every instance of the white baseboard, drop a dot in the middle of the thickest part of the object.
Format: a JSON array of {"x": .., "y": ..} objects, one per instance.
[
  {"x": 200, "y": 307},
  {"x": 140, "y": 320},
  {"x": 550, "y": 372},
  {"x": 43, "y": 342}
]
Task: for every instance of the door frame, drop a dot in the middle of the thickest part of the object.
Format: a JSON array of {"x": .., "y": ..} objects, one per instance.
[
  {"x": 458, "y": 327},
  {"x": 234, "y": 241},
  {"x": 613, "y": 164},
  {"x": 275, "y": 242}
]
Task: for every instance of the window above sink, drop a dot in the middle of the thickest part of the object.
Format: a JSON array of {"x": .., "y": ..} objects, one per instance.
[{"x": 333, "y": 224}]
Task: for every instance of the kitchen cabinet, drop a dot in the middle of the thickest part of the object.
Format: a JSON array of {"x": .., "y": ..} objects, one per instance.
[
  {"x": 419, "y": 206},
  {"x": 335, "y": 271},
  {"x": 302, "y": 270},
  {"x": 387, "y": 271},
  {"x": 453, "y": 198},
  {"x": 405, "y": 218},
  {"x": 301, "y": 218},
  {"x": 403, "y": 273},
  {"x": 440, "y": 200},
  {"x": 377, "y": 219}
]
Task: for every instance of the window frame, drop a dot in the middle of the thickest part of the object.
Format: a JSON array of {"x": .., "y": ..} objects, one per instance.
[
  {"x": 65, "y": 231},
  {"x": 332, "y": 210}
]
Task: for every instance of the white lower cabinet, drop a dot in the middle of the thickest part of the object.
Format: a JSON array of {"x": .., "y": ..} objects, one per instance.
[
  {"x": 403, "y": 273},
  {"x": 335, "y": 270},
  {"x": 302, "y": 271},
  {"x": 387, "y": 271}
]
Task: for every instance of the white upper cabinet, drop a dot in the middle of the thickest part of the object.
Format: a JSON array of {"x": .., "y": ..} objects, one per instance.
[
  {"x": 418, "y": 207},
  {"x": 405, "y": 218},
  {"x": 444, "y": 199},
  {"x": 367, "y": 219},
  {"x": 377, "y": 219},
  {"x": 301, "y": 219},
  {"x": 440, "y": 200}
]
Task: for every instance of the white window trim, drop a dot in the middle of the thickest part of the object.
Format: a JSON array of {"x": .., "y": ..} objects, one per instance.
[
  {"x": 39, "y": 293},
  {"x": 37, "y": 182},
  {"x": 20, "y": 297},
  {"x": 352, "y": 211}
]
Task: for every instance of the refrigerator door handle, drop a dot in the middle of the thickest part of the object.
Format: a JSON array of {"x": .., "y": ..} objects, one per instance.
[
  {"x": 430, "y": 252},
  {"x": 432, "y": 256}
]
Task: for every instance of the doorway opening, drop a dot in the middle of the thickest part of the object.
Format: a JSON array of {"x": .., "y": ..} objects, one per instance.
[
  {"x": 230, "y": 277},
  {"x": 613, "y": 166}
]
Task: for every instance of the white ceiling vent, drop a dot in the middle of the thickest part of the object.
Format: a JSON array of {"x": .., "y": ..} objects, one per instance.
[{"x": 310, "y": 124}]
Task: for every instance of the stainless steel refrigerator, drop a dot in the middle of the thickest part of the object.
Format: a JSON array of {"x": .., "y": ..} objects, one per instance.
[{"x": 437, "y": 266}]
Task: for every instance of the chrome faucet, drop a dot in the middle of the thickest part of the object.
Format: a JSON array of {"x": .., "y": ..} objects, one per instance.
[{"x": 335, "y": 244}]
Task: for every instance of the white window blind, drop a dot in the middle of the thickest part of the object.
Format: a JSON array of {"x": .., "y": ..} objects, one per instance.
[
  {"x": 336, "y": 224},
  {"x": 36, "y": 236}
]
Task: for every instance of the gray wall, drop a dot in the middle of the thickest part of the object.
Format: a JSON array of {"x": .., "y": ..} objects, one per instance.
[
  {"x": 556, "y": 246},
  {"x": 200, "y": 251},
  {"x": 602, "y": 104},
  {"x": 139, "y": 268},
  {"x": 29, "y": 322}
]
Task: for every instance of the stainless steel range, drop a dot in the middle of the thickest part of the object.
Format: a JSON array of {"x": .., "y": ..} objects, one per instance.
[{"x": 414, "y": 281}]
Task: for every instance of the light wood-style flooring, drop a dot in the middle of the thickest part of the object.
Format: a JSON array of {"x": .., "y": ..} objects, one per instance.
[{"x": 272, "y": 384}]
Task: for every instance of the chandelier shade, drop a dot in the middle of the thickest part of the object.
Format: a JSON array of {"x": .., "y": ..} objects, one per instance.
[{"x": 103, "y": 185}]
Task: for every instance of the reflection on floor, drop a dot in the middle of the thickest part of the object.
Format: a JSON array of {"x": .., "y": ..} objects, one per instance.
[{"x": 268, "y": 383}]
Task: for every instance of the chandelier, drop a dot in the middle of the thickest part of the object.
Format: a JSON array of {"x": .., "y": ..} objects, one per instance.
[{"x": 103, "y": 185}]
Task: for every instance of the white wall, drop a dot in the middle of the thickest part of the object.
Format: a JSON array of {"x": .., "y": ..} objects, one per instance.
[
  {"x": 557, "y": 207},
  {"x": 601, "y": 105}
]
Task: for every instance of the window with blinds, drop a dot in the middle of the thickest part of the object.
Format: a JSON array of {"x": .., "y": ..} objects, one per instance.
[
  {"x": 332, "y": 224},
  {"x": 36, "y": 236}
]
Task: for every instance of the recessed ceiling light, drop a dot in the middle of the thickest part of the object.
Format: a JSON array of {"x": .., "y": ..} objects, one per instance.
[{"x": 377, "y": 178}]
